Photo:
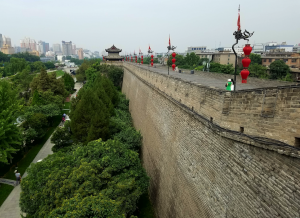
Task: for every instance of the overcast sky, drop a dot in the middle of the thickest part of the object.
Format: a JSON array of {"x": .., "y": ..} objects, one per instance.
[{"x": 130, "y": 24}]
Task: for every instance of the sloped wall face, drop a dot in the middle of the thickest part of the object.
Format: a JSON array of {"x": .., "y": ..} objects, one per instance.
[{"x": 196, "y": 172}]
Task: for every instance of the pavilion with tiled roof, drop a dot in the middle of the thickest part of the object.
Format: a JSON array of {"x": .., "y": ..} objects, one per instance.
[{"x": 113, "y": 54}]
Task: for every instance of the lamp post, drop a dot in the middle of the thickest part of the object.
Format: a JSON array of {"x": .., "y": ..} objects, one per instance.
[
  {"x": 135, "y": 56},
  {"x": 141, "y": 55},
  {"x": 239, "y": 35},
  {"x": 173, "y": 54},
  {"x": 150, "y": 52}
]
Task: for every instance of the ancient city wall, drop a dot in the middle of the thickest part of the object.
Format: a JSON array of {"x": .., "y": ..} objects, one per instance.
[
  {"x": 198, "y": 168},
  {"x": 269, "y": 112}
]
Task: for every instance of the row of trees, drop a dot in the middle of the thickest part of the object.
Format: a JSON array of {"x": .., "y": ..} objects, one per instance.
[
  {"x": 95, "y": 170},
  {"x": 16, "y": 63},
  {"x": 28, "y": 106}
]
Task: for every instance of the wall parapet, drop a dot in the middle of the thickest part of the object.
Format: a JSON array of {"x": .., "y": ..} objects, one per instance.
[{"x": 272, "y": 112}]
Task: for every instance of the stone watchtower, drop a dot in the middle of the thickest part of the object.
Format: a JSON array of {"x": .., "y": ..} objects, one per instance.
[{"x": 113, "y": 54}]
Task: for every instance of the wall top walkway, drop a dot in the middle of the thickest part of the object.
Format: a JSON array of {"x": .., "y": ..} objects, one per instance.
[{"x": 215, "y": 80}]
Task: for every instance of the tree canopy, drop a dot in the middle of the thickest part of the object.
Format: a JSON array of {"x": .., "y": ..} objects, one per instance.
[
  {"x": 10, "y": 134},
  {"x": 278, "y": 69},
  {"x": 104, "y": 172}
]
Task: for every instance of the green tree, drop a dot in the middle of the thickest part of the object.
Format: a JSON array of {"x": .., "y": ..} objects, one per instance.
[
  {"x": 49, "y": 65},
  {"x": 68, "y": 57},
  {"x": 45, "y": 82},
  {"x": 69, "y": 82},
  {"x": 257, "y": 70},
  {"x": 278, "y": 69},
  {"x": 103, "y": 178},
  {"x": 192, "y": 59},
  {"x": 179, "y": 60},
  {"x": 90, "y": 119},
  {"x": 10, "y": 134},
  {"x": 227, "y": 69},
  {"x": 37, "y": 66},
  {"x": 255, "y": 58},
  {"x": 62, "y": 136}
]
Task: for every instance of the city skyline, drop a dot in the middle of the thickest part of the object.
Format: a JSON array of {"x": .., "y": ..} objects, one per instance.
[{"x": 123, "y": 24}]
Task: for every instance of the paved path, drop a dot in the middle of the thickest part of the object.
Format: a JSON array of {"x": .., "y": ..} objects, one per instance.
[
  {"x": 10, "y": 207},
  {"x": 216, "y": 80},
  {"x": 8, "y": 181}
]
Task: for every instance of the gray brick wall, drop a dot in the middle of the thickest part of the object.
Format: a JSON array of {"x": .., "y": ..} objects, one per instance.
[
  {"x": 266, "y": 112},
  {"x": 198, "y": 170}
]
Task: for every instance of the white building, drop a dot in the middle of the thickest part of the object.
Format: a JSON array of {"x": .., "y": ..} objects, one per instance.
[
  {"x": 61, "y": 58},
  {"x": 56, "y": 48},
  {"x": 6, "y": 40},
  {"x": 195, "y": 49},
  {"x": 50, "y": 54}
]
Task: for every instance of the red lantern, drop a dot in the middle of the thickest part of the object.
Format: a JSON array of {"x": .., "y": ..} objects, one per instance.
[
  {"x": 142, "y": 58},
  {"x": 247, "y": 49},
  {"x": 173, "y": 66},
  {"x": 246, "y": 62},
  {"x": 173, "y": 60},
  {"x": 103, "y": 57},
  {"x": 152, "y": 60},
  {"x": 244, "y": 74},
  {"x": 135, "y": 59}
]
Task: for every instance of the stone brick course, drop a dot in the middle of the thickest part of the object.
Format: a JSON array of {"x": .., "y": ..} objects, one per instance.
[{"x": 198, "y": 169}]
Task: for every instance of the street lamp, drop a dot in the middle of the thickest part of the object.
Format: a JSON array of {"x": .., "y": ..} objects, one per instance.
[
  {"x": 173, "y": 54},
  {"x": 141, "y": 55},
  {"x": 239, "y": 35},
  {"x": 150, "y": 52}
]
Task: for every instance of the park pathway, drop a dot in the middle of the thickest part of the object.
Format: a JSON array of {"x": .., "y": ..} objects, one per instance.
[{"x": 10, "y": 207}]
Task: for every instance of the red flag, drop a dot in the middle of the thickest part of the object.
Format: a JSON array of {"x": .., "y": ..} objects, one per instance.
[
  {"x": 149, "y": 47},
  {"x": 169, "y": 41},
  {"x": 239, "y": 21}
]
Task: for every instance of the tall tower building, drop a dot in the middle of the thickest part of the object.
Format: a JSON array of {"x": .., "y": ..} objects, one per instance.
[
  {"x": 67, "y": 48},
  {"x": 7, "y": 41},
  {"x": 47, "y": 47},
  {"x": 1, "y": 41},
  {"x": 28, "y": 43},
  {"x": 41, "y": 47},
  {"x": 73, "y": 49},
  {"x": 80, "y": 54},
  {"x": 56, "y": 47}
]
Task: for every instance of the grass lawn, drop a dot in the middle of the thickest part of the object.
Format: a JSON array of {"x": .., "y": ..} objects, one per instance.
[
  {"x": 58, "y": 73},
  {"x": 67, "y": 105},
  {"x": 25, "y": 162}
]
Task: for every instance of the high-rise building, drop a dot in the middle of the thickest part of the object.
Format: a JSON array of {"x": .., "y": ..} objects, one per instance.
[
  {"x": 1, "y": 41},
  {"x": 47, "y": 47},
  {"x": 41, "y": 48},
  {"x": 73, "y": 49},
  {"x": 6, "y": 40},
  {"x": 28, "y": 43},
  {"x": 6, "y": 49},
  {"x": 56, "y": 47},
  {"x": 67, "y": 48},
  {"x": 80, "y": 54}
]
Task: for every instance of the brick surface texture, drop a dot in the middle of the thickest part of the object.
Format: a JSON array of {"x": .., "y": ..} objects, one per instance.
[{"x": 198, "y": 170}]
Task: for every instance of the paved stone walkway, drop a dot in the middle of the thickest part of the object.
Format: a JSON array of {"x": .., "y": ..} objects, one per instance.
[
  {"x": 8, "y": 181},
  {"x": 216, "y": 80},
  {"x": 10, "y": 207}
]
